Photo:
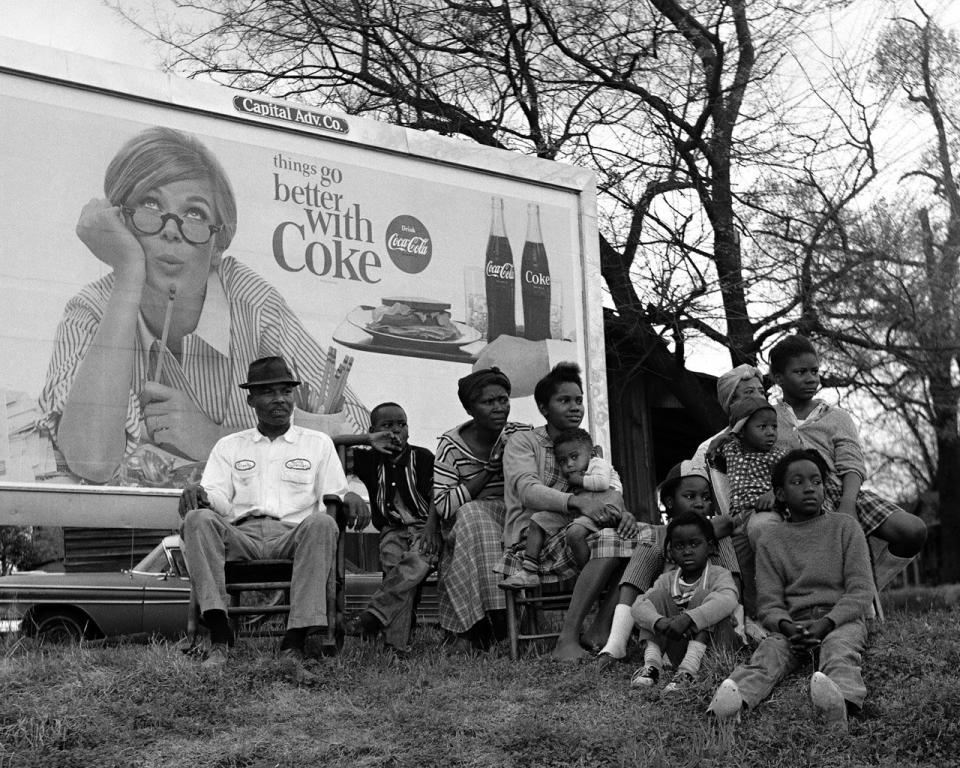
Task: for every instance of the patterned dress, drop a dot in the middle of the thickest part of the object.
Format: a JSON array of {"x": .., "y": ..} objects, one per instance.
[{"x": 472, "y": 531}]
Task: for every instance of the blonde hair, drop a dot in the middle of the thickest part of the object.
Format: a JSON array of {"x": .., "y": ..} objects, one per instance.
[{"x": 159, "y": 156}]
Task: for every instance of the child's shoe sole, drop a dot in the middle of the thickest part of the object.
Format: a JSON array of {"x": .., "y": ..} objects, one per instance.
[
  {"x": 727, "y": 701},
  {"x": 828, "y": 701}
]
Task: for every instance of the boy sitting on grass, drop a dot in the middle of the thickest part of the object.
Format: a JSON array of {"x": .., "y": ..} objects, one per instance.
[
  {"x": 685, "y": 490},
  {"x": 585, "y": 473},
  {"x": 815, "y": 589},
  {"x": 400, "y": 485},
  {"x": 686, "y": 608}
]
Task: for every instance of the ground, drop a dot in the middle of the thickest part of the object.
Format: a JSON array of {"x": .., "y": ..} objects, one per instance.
[{"x": 149, "y": 705}]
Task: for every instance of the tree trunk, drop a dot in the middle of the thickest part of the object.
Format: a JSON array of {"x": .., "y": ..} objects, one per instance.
[{"x": 948, "y": 487}]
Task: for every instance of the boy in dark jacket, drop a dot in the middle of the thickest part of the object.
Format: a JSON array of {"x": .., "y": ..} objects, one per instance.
[{"x": 400, "y": 485}]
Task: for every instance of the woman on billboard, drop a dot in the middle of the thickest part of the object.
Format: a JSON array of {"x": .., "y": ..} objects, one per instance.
[{"x": 152, "y": 353}]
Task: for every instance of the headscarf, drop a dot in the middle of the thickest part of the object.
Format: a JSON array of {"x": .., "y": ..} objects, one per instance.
[
  {"x": 727, "y": 384},
  {"x": 470, "y": 385}
]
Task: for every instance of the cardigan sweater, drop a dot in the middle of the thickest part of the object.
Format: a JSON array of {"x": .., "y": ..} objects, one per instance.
[{"x": 828, "y": 429}]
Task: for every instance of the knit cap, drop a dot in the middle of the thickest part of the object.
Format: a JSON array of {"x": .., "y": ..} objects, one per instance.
[{"x": 742, "y": 410}]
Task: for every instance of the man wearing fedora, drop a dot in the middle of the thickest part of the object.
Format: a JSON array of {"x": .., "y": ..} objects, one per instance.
[{"x": 267, "y": 492}]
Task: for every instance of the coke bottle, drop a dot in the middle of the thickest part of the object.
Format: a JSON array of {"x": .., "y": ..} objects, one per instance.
[
  {"x": 500, "y": 277},
  {"x": 535, "y": 280}
]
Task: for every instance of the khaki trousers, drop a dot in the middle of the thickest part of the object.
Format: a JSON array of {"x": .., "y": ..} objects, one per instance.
[{"x": 210, "y": 541}]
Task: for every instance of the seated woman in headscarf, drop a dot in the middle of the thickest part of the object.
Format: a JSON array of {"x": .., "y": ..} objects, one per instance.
[
  {"x": 741, "y": 382},
  {"x": 468, "y": 494}
]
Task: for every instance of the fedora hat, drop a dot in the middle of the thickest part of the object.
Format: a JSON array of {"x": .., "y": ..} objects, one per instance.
[{"x": 267, "y": 371}]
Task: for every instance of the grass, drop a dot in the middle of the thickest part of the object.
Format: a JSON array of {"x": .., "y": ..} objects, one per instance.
[{"x": 148, "y": 705}]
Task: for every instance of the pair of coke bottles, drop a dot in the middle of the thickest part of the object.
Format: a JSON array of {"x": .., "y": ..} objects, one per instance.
[{"x": 500, "y": 279}]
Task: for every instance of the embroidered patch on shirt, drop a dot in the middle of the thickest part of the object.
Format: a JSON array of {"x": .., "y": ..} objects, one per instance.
[
  {"x": 298, "y": 464},
  {"x": 242, "y": 465}
]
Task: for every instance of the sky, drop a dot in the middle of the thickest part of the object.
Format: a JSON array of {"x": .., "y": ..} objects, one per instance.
[{"x": 84, "y": 26}]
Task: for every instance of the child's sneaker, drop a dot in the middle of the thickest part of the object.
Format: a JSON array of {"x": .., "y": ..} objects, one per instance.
[
  {"x": 522, "y": 579},
  {"x": 645, "y": 677},
  {"x": 829, "y": 701},
  {"x": 727, "y": 701},
  {"x": 681, "y": 681}
]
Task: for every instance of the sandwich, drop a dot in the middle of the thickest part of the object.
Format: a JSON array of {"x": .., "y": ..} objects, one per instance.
[{"x": 410, "y": 317}]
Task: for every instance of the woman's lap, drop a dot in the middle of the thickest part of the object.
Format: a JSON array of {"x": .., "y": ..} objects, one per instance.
[
  {"x": 556, "y": 559},
  {"x": 468, "y": 584}
]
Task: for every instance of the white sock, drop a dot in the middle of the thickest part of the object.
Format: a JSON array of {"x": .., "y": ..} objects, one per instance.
[
  {"x": 693, "y": 657},
  {"x": 652, "y": 656},
  {"x": 620, "y": 631}
]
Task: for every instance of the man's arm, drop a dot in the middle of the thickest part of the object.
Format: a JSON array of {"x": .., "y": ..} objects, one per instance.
[
  {"x": 332, "y": 488},
  {"x": 215, "y": 489}
]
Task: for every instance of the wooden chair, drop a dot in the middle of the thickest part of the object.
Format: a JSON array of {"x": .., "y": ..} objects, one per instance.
[
  {"x": 250, "y": 617},
  {"x": 524, "y": 609}
]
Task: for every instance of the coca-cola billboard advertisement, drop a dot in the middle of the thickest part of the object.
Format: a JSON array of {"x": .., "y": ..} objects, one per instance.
[{"x": 152, "y": 250}]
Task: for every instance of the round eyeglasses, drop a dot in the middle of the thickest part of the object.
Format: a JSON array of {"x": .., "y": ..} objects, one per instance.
[{"x": 149, "y": 222}]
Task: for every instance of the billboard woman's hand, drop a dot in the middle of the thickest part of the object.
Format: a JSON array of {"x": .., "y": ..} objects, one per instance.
[
  {"x": 175, "y": 423},
  {"x": 102, "y": 229}
]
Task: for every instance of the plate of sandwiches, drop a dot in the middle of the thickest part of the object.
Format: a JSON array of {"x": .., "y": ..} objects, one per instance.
[{"x": 415, "y": 320}]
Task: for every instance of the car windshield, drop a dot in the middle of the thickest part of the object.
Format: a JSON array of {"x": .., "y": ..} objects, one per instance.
[
  {"x": 179, "y": 564},
  {"x": 155, "y": 561}
]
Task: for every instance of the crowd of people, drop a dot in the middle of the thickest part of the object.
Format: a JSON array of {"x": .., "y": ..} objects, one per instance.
[{"x": 765, "y": 541}]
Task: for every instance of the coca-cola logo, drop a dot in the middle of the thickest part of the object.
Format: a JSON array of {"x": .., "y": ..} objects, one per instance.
[
  {"x": 536, "y": 278},
  {"x": 500, "y": 271},
  {"x": 408, "y": 244}
]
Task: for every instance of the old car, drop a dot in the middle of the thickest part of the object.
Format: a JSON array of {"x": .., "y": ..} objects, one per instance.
[{"x": 150, "y": 599}]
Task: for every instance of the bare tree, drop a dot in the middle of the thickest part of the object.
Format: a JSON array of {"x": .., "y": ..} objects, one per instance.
[
  {"x": 669, "y": 102},
  {"x": 880, "y": 285}
]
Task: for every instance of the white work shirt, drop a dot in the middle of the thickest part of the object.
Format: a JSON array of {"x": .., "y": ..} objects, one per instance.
[{"x": 287, "y": 478}]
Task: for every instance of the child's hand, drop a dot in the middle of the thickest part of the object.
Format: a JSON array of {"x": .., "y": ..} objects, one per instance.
[
  {"x": 820, "y": 628},
  {"x": 723, "y": 525},
  {"x": 678, "y": 627},
  {"x": 384, "y": 442},
  {"x": 714, "y": 457},
  {"x": 575, "y": 479},
  {"x": 764, "y": 502},
  {"x": 798, "y": 635}
]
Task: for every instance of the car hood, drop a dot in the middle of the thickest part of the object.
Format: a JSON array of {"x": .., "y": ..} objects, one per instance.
[{"x": 44, "y": 579}]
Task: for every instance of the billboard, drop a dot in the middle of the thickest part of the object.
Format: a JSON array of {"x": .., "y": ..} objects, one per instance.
[{"x": 158, "y": 238}]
